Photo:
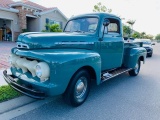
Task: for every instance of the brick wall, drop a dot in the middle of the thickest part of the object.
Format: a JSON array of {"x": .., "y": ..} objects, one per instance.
[
  {"x": 16, "y": 34},
  {"x": 22, "y": 17}
]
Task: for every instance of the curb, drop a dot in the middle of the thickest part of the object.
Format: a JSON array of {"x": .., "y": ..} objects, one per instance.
[
  {"x": 24, "y": 108},
  {"x": 12, "y": 104},
  {"x": 15, "y": 103},
  {"x": 2, "y": 81}
]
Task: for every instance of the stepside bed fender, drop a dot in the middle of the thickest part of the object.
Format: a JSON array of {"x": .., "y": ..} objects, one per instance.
[{"x": 132, "y": 55}]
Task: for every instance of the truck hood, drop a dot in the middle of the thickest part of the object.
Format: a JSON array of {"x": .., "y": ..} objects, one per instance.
[{"x": 39, "y": 40}]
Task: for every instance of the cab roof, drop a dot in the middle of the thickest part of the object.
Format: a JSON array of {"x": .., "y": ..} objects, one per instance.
[{"x": 96, "y": 14}]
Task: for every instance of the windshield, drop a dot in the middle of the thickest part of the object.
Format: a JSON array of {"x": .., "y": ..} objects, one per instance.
[
  {"x": 146, "y": 42},
  {"x": 82, "y": 25}
]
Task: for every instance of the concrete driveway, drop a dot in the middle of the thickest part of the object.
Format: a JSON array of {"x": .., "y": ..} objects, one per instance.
[{"x": 5, "y": 48}]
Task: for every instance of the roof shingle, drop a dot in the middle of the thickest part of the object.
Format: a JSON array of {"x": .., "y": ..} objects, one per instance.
[
  {"x": 27, "y": 2},
  {"x": 11, "y": 3},
  {"x": 5, "y": 3}
]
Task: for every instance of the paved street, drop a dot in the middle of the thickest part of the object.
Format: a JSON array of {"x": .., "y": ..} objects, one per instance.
[{"x": 122, "y": 98}]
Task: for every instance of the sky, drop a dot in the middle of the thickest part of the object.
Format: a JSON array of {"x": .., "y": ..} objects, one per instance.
[{"x": 146, "y": 13}]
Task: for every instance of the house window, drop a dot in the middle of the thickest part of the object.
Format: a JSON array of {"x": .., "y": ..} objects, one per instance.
[
  {"x": 59, "y": 23},
  {"x": 49, "y": 21}
]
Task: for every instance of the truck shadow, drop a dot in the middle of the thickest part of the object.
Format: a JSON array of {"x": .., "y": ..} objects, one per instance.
[
  {"x": 111, "y": 94},
  {"x": 106, "y": 91}
]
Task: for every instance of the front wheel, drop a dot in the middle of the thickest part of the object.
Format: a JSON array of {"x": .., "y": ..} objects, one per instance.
[
  {"x": 135, "y": 71},
  {"x": 78, "y": 89}
]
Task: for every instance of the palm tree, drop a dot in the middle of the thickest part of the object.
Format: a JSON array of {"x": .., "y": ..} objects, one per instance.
[
  {"x": 131, "y": 23},
  {"x": 143, "y": 34}
]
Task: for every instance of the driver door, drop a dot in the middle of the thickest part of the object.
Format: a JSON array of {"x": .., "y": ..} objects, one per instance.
[{"x": 112, "y": 46}]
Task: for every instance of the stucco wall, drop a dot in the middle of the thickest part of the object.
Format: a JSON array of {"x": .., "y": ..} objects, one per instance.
[
  {"x": 33, "y": 24},
  {"x": 53, "y": 16},
  {"x": 11, "y": 16},
  {"x": 37, "y": 24}
]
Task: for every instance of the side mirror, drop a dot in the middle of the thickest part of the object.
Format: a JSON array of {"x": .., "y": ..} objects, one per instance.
[{"x": 106, "y": 22}]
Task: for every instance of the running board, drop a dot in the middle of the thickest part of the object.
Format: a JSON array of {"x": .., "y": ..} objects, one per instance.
[{"x": 108, "y": 75}]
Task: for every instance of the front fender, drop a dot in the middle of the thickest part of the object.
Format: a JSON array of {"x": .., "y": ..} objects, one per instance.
[{"x": 64, "y": 63}]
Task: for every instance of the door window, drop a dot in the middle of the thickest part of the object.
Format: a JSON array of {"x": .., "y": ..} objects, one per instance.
[{"x": 113, "y": 27}]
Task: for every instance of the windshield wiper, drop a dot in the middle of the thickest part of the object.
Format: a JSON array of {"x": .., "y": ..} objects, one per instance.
[
  {"x": 79, "y": 31},
  {"x": 67, "y": 31}
]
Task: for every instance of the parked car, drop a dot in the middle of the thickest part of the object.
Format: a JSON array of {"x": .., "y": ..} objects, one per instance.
[
  {"x": 129, "y": 40},
  {"x": 147, "y": 44}
]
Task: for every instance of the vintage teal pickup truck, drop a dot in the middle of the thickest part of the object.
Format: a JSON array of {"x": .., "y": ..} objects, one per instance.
[{"x": 90, "y": 48}]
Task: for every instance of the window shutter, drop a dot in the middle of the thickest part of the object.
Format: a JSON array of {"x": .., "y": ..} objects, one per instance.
[
  {"x": 61, "y": 25},
  {"x": 47, "y": 22}
]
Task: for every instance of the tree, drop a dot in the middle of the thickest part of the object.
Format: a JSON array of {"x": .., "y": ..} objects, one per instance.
[
  {"x": 101, "y": 8},
  {"x": 136, "y": 35},
  {"x": 143, "y": 34},
  {"x": 126, "y": 31},
  {"x": 55, "y": 28},
  {"x": 149, "y": 37},
  {"x": 52, "y": 28},
  {"x": 157, "y": 37},
  {"x": 146, "y": 36},
  {"x": 131, "y": 23}
]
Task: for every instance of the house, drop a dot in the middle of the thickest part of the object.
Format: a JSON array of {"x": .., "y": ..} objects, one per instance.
[{"x": 18, "y": 17}]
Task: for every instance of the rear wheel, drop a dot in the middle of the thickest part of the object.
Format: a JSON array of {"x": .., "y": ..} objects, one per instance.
[
  {"x": 78, "y": 89},
  {"x": 135, "y": 71}
]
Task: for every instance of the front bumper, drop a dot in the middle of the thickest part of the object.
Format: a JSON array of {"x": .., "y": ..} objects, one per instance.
[
  {"x": 22, "y": 88},
  {"x": 149, "y": 50}
]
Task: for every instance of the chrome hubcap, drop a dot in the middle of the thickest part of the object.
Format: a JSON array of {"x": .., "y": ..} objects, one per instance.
[
  {"x": 80, "y": 88},
  {"x": 136, "y": 68}
]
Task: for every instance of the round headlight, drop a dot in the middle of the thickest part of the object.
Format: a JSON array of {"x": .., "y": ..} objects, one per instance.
[
  {"x": 42, "y": 71},
  {"x": 38, "y": 71}
]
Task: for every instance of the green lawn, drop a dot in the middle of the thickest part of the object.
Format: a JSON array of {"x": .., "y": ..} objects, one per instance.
[{"x": 7, "y": 93}]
